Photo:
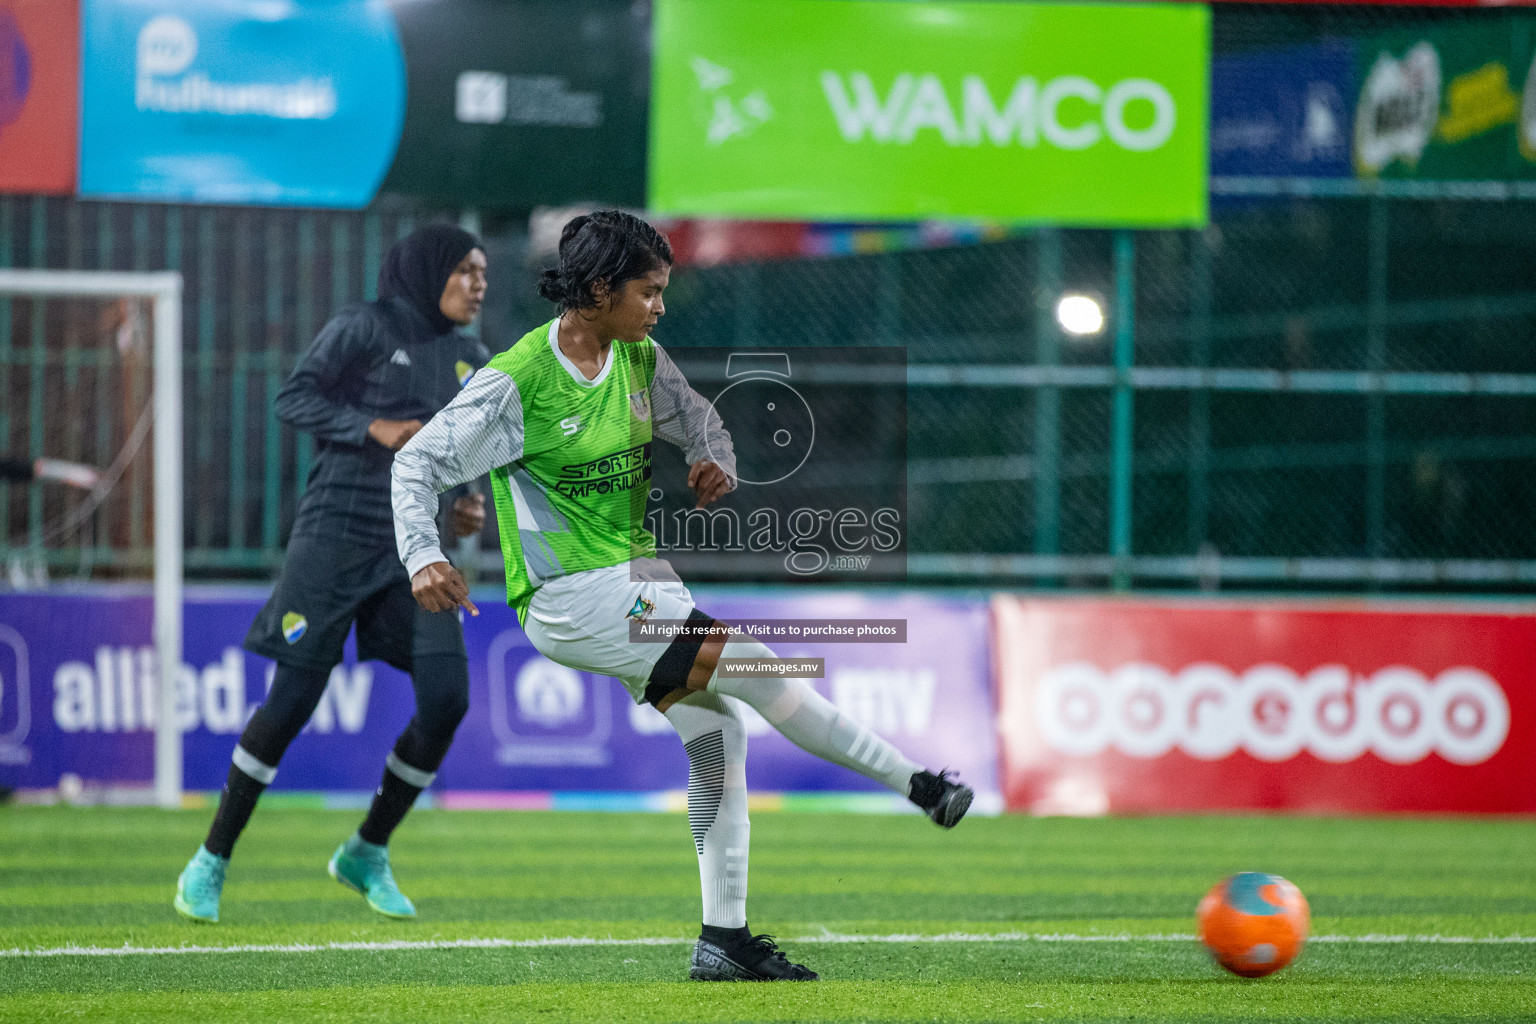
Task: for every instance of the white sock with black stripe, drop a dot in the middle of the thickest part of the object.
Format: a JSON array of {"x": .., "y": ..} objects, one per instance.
[
  {"x": 716, "y": 741},
  {"x": 813, "y": 723}
]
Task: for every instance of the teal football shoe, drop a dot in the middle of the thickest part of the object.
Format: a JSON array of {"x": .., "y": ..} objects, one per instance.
[
  {"x": 200, "y": 886},
  {"x": 364, "y": 866}
]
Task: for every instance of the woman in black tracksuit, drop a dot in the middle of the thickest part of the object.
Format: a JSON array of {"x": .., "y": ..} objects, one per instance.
[{"x": 365, "y": 386}]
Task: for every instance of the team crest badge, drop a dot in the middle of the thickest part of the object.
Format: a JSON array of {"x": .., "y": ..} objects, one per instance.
[
  {"x": 294, "y": 626},
  {"x": 463, "y": 371},
  {"x": 642, "y": 610},
  {"x": 640, "y": 404}
]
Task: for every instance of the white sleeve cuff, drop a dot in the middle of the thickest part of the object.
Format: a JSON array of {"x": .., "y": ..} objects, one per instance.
[{"x": 423, "y": 558}]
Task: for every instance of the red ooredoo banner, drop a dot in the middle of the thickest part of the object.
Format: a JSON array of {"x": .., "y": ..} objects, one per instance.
[{"x": 1129, "y": 706}]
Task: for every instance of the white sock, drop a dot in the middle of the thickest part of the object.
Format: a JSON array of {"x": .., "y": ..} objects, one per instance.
[
  {"x": 716, "y": 740},
  {"x": 811, "y": 722}
]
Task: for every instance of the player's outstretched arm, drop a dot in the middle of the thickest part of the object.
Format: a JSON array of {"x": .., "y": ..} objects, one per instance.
[
  {"x": 480, "y": 430},
  {"x": 682, "y": 416}
]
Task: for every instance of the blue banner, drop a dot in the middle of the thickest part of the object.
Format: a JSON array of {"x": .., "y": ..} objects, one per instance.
[
  {"x": 78, "y": 696},
  {"x": 1286, "y": 113},
  {"x": 242, "y": 101}
]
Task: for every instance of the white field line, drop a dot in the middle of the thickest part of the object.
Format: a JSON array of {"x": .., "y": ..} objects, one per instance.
[{"x": 825, "y": 937}]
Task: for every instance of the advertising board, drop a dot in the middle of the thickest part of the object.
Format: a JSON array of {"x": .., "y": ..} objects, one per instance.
[
  {"x": 242, "y": 101},
  {"x": 1090, "y": 114},
  {"x": 1283, "y": 113},
  {"x": 39, "y": 95},
  {"x": 1451, "y": 102},
  {"x": 505, "y": 109},
  {"x": 78, "y": 696},
  {"x": 1146, "y": 706}
]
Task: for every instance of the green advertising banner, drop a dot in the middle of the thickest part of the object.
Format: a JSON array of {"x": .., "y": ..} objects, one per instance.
[
  {"x": 1088, "y": 114},
  {"x": 1452, "y": 103}
]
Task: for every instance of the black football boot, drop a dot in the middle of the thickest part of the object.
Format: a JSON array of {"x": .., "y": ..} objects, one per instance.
[
  {"x": 742, "y": 957},
  {"x": 945, "y": 801}
]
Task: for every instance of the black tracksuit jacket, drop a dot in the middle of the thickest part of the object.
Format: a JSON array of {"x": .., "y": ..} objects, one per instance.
[{"x": 373, "y": 360}]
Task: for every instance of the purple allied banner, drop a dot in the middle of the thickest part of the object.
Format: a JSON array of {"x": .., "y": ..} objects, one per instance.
[{"x": 77, "y": 696}]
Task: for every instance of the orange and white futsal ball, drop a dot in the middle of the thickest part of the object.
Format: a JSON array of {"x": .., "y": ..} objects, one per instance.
[{"x": 1254, "y": 923}]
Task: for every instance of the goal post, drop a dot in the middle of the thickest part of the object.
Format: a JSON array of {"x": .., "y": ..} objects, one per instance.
[{"x": 163, "y": 290}]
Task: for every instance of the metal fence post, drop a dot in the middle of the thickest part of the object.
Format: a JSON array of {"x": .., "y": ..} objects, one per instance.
[
  {"x": 373, "y": 254},
  {"x": 1047, "y": 396},
  {"x": 1122, "y": 438},
  {"x": 888, "y": 311},
  {"x": 746, "y": 305},
  {"x": 39, "y": 242},
  {"x": 341, "y": 263},
  {"x": 304, "y": 332},
  {"x": 131, "y": 384},
  {"x": 1199, "y": 398},
  {"x": 173, "y": 247},
  {"x": 207, "y": 391},
  {"x": 1376, "y": 362},
  {"x": 109, "y": 367},
  {"x": 272, "y": 376},
  {"x": 239, "y": 388}
]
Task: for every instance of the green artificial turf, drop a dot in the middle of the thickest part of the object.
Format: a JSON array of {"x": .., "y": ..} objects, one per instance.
[{"x": 104, "y": 878}]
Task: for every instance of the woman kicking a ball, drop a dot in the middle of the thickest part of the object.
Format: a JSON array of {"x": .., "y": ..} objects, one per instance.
[{"x": 563, "y": 421}]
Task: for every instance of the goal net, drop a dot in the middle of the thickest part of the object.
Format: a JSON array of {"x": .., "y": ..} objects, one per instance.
[{"x": 90, "y": 459}]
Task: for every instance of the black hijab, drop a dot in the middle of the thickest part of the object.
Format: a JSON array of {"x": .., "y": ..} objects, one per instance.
[{"x": 417, "y": 269}]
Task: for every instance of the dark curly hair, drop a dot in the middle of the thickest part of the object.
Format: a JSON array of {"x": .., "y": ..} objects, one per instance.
[{"x": 609, "y": 246}]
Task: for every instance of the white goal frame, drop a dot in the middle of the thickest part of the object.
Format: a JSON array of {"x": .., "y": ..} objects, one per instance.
[{"x": 163, "y": 289}]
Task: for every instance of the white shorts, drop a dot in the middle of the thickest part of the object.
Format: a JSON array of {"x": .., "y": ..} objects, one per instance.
[{"x": 582, "y": 620}]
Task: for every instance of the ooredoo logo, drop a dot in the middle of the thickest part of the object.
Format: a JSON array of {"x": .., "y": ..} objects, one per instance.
[{"x": 1273, "y": 713}]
